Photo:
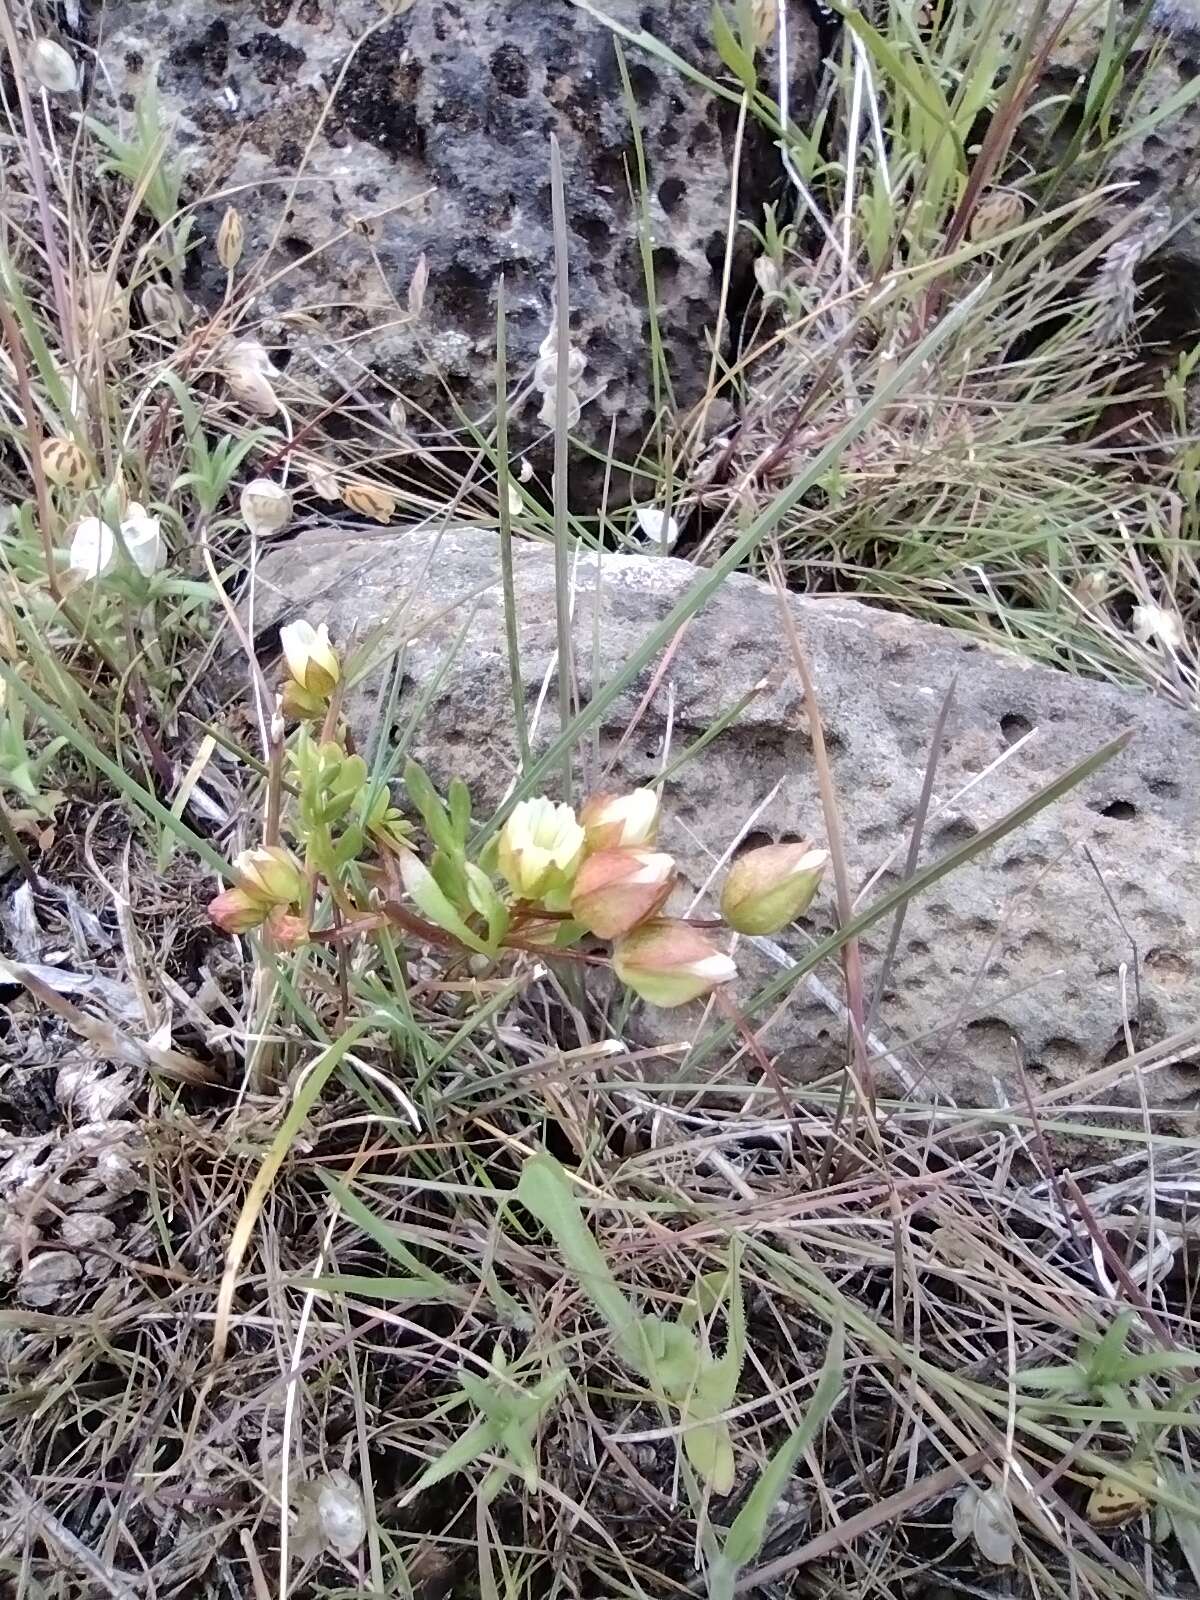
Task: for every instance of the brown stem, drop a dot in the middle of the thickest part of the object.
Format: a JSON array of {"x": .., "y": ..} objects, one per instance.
[{"x": 12, "y": 337}]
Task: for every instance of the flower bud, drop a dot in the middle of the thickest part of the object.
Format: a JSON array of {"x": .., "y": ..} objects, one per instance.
[
  {"x": 670, "y": 963},
  {"x": 53, "y": 67},
  {"x": 287, "y": 929},
  {"x": 266, "y": 507},
  {"x": 540, "y": 848},
  {"x": 369, "y": 501},
  {"x": 65, "y": 464},
  {"x": 768, "y": 888},
  {"x": 248, "y": 373},
  {"x": 618, "y": 821},
  {"x": 230, "y": 239},
  {"x": 310, "y": 656},
  {"x": 270, "y": 875},
  {"x": 235, "y": 911},
  {"x": 617, "y": 889}
]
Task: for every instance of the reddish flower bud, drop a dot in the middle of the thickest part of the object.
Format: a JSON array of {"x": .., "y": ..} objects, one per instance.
[
  {"x": 617, "y": 889},
  {"x": 768, "y": 888},
  {"x": 669, "y": 963},
  {"x": 620, "y": 821},
  {"x": 234, "y": 911}
]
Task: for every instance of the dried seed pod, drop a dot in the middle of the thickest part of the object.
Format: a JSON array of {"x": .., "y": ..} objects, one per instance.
[
  {"x": 996, "y": 213},
  {"x": 763, "y": 16},
  {"x": 266, "y": 507},
  {"x": 163, "y": 309},
  {"x": 231, "y": 238},
  {"x": 65, "y": 464},
  {"x": 321, "y": 479},
  {"x": 104, "y": 313},
  {"x": 248, "y": 373},
  {"x": 369, "y": 501},
  {"x": 53, "y": 67}
]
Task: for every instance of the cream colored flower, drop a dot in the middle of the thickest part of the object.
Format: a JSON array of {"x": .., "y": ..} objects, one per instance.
[
  {"x": 541, "y": 846},
  {"x": 94, "y": 550},
  {"x": 311, "y": 659}
]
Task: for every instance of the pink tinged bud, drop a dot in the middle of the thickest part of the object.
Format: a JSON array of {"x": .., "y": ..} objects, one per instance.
[
  {"x": 617, "y": 889},
  {"x": 620, "y": 821},
  {"x": 669, "y": 963},
  {"x": 271, "y": 875},
  {"x": 234, "y": 911},
  {"x": 288, "y": 930},
  {"x": 768, "y": 888}
]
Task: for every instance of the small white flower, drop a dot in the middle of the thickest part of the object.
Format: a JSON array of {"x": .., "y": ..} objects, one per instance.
[
  {"x": 142, "y": 535},
  {"x": 1154, "y": 623},
  {"x": 53, "y": 67},
  {"x": 93, "y": 548},
  {"x": 654, "y": 522}
]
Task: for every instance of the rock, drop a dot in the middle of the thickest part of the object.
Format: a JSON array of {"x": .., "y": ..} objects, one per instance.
[
  {"x": 1033, "y": 954},
  {"x": 48, "y": 1278},
  {"x": 358, "y": 141}
]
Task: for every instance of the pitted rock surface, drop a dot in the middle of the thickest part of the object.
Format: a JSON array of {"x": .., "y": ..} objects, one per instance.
[
  {"x": 424, "y": 130},
  {"x": 1040, "y": 953}
]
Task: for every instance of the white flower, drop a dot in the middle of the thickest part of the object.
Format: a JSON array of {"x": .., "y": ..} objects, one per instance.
[
  {"x": 1164, "y": 627},
  {"x": 143, "y": 539},
  {"x": 53, "y": 67},
  {"x": 94, "y": 551},
  {"x": 93, "y": 548},
  {"x": 653, "y": 522}
]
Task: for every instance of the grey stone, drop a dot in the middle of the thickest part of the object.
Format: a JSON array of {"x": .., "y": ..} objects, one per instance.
[
  {"x": 1025, "y": 955},
  {"x": 424, "y": 130}
]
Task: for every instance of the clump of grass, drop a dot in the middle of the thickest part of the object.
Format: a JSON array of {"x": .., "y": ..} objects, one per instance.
[
  {"x": 407, "y": 1272},
  {"x": 1035, "y": 483}
]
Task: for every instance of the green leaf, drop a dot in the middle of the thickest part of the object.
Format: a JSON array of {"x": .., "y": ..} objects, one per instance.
[
  {"x": 750, "y": 1525},
  {"x": 545, "y": 1191},
  {"x": 459, "y": 797},
  {"x": 384, "y": 1236},
  {"x": 422, "y": 889},
  {"x": 709, "y": 1448},
  {"x": 485, "y": 902},
  {"x": 730, "y": 50},
  {"x": 465, "y": 1449},
  {"x": 437, "y": 821}
]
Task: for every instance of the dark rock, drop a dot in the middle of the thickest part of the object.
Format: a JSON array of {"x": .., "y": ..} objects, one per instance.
[{"x": 427, "y": 133}]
